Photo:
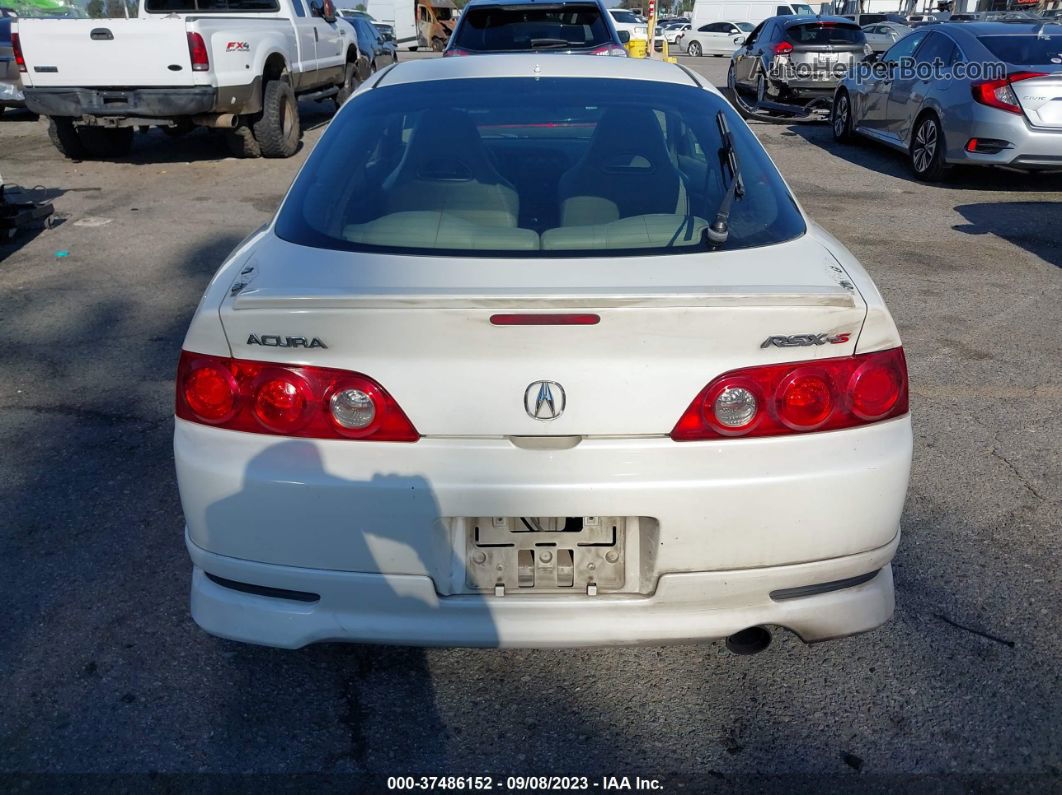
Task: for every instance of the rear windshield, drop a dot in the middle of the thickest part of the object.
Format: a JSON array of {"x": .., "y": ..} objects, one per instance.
[
  {"x": 531, "y": 28},
  {"x": 1026, "y": 49},
  {"x": 207, "y": 6},
  {"x": 533, "y": 167},
  {"x": 825, "y": 33},
  {"x": 626, "y": 17}
]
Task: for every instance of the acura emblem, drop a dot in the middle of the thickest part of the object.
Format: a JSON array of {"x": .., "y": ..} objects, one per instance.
[{"x": 544, "y": 400}]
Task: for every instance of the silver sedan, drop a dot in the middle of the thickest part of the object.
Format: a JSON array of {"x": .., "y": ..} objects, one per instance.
[{"x": 978, "y": 93}]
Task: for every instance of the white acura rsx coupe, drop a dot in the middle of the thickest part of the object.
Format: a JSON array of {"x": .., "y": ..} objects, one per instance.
[{"x": 541, "y": 351}]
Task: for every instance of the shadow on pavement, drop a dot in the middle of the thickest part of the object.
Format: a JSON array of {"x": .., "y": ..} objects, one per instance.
[
  {"x": 14, "y": 115},
  {"x": 153, "y": 146},
  {"x": 390, "y": 521},
  {"x": 1025, "y": 224}
]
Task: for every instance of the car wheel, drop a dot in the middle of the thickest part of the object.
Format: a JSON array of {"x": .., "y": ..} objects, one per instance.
[
  {"x": 105, "y": 143},
  {"x": 348, "y": 86},
  {"x": 927, "y": 150},
  {"x": 277, "y": 131},
  {"x": 241, "y": 141},
  {"x": 65, "y": 138},
  {"x": 695, "y": 49},
  {"x": 438, "y": 45},
  {"x": 734, "y": 95},
  {"x": 841, "y": 118}
]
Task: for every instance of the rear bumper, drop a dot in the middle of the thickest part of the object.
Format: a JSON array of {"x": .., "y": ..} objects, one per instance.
[
  {"x": 812, "y": 90},
  {"x": 407, "y": 610},
  {"x": 140, "y": 102},
  {"x": 383, "y": 507},
  {"x": 1031, "y": 148}
]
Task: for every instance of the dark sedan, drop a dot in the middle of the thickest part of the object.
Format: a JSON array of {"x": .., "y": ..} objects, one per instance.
[{"x": 374, "y": 52}]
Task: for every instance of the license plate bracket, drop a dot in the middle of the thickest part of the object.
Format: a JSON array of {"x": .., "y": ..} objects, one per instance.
[{"x": 546, "y": 554}]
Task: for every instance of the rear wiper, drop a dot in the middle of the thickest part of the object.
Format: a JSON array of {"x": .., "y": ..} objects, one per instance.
[
  {"x": 536, "y": 43},
  {"x": 719, "y": 229}
]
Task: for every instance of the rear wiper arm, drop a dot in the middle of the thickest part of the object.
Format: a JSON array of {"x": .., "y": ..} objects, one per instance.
[{"x": 719, "y": 229}]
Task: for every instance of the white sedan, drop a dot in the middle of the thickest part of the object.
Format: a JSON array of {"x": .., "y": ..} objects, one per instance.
[
  {"x": 541, "y": 351},
  {"x": 714, "y": 38},
  {"x": 668, "y": 32}
]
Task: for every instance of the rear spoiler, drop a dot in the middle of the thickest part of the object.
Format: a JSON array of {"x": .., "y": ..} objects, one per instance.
[{"x": 458, "y": 298}]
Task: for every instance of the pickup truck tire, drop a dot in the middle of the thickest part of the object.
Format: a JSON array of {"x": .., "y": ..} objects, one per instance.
[
  {"x": 105, "y": 143},
  {"x": 241, "y": 141},
  {"x": 64, "y": 137},
  {"x": 277, "y": 130},
  {"x": 350, "y": 83}
]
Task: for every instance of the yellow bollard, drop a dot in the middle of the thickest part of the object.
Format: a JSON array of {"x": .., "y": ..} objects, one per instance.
[
  {"x": 636, "y": 48},
  {"x": 667, "y": 55}
]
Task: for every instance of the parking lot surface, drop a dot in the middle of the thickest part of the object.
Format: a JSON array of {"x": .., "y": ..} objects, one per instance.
[{"x": 102, "y": 669}]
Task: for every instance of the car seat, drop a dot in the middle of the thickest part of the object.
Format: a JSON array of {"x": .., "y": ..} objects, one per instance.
[
  {"x": 626, "y": 171},
  {"x": 446, "y": 168}
]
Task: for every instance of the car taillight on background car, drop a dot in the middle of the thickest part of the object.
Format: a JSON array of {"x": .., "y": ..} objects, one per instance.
[
  {"x": 198, "y": 52},
  {"x": 999, "y": 94},
  {"x": 783, "y": 48},
  {"x": 608, "y": 49},
  {"x": 16, "y": 49},
  {"x": 798, "y": 397},
  {"x": 287, "y": 400}
]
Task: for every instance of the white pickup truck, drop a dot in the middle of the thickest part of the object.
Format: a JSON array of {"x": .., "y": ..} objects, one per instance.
[{"x": 238, "y": 65}]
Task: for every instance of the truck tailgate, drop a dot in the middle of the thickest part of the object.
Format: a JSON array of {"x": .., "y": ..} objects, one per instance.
[{"x": 102, "y": 53}]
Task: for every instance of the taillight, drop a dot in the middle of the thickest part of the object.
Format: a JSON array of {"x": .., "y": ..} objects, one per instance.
[
  {"x": 783, "y": 48},
  {"x": 455, "y": 51},
  {"x": 209, "y": 390},
  {"x": 287, "y": 400},
  {"x": 198, "y": 52},
  {"x": 999, "y": 94},
  {"x": 798, "y": 397},
  {"x": 608, "y": 49},
  {"x": 282, "y": 401},
  {"x": 16, "y": 48}
]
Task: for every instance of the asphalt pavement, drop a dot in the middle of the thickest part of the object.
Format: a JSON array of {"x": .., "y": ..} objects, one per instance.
[{"x": 103, "y": 671}]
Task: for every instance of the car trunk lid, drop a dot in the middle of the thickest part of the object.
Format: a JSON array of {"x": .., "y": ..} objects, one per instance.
[
  {"x": 422, "y": 327},
  {"x": 1041, "y": 99}
]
